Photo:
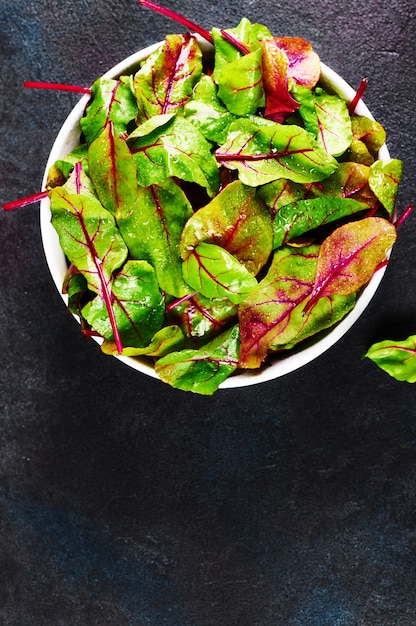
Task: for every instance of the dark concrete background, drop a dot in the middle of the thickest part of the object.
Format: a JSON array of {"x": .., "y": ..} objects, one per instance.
[{"x": 125, "y": 502}]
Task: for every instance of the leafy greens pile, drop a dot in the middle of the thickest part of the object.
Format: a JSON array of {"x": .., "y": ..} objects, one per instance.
[{"x": 220, "y": 208}]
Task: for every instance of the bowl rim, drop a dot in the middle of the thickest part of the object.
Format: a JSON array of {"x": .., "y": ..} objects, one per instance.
[{"x": 68, "y": 137}]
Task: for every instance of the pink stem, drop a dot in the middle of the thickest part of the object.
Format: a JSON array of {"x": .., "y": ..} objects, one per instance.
[
  {"x": 179, "y": 301},
  {"x": 17, "y": 204},
  {"x": 408, "y": 210},
  {"x": 178, "y": 18},
  {"x": 56, "y": 86},
  {"x": 237, "y": 44}
]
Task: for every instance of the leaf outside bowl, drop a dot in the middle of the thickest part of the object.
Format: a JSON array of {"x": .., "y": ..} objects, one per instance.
[{"x": 68, "y": 138}]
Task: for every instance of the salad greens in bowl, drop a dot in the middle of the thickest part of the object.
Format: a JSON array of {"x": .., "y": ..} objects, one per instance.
[{"x": 220, "y": 208}]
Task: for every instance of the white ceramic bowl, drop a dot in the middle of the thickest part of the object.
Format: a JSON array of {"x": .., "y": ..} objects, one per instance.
[{"x": 68, "y": 138}]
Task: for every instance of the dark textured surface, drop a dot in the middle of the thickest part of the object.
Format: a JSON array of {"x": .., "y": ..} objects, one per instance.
[{"x": 124, "y": 502}]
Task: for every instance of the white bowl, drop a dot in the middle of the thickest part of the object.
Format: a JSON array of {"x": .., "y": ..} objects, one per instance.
[{"x": 68, "y": 138}]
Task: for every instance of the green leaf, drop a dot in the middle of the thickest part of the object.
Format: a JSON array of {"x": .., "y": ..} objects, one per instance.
[
  {"x": 334, "y": 123},
  {"x": 237, "y": 221},
  {"x": 207, "y": 113},
  {"x": 350, "y": 255},
  {"x": 263, "y": 153},
  {"x": 166, "y": 340},
  {"x": 215, "y": 273},
  {"x": 138, "y": 306},
  {"x": 88, "y": 236},
  {"x": 384, "y": 180},
  {"x": 76, "y": 288},
  {"x": 397, "y": 358},
  {"x": 350, "y": 180},
  {"x": 177, "y": 149},
  {"x": 152, "y": 229},
  {"x": 92, "y": 243},
  {"x": 239, "y": 76},
  {"x": 113, "y": 172},
  {"x": 201, "y": 371},
  {"x": 281, "y": 192},
  {"x": 296, "y": 219},
  {"x": 166, "y": 79},
  {"x": 202, "y": 318},
  {"x": 66, "y": 165},
  {"x": 111, "y": 101},
  {"x": 369, "y": 132}
]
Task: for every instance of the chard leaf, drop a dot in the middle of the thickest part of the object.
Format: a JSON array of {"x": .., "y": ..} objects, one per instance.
[
  {"x": 384, "y": 180},
  {"x": 334, "y": 123},
  {"x": 166, "y": 79},
  {"x": 89, "y": 237},
  {"x": 152, "y": 229},
  {"x": 350, "y": 180},
  {"x": 296, "y": 219},
  {"x": 111, "y": 101},
  {"x": 324, "y": 314},
  {"x": 166, "y": 340},
  {"x": 287, "y": 60},
  {"x": 369, "y": 132},
  {"x": 266, "y": 313},
  {"x": 215, "y": 273},
  {"x": 397, "y": 358},
  {"x": 177, "y": 149},
  {"x": 202, "y": 318},
  {"x": 237, "y": 221},
  {"x": 239, "y": 76},
  {"x": 281, "y": 192},
  {"x": 201, "y": 371},
  {"x": 350, "y": 256},
  {"x": 138, "y": 306},
  {"x": 113, "y": 172},
  {"x": 207, "y": 112},
  {"x": 92, "y": 243},
  {"x": 265, "y": 153}
]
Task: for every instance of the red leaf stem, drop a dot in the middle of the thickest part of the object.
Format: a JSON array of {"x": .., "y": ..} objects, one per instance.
[
  {"x": 177, "y": 17},
  {"x": 408, "y": 210},
  {"x": 30, "y": 84},
  {"x": 237, "y": 44},
  {"x": 179, "y": 301},
  {"x": 17, "y": 204},
  {"x": 358, "y": 95}
]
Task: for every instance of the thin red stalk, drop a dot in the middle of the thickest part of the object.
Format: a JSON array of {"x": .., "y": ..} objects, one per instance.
[
  {"x": 408, "y": 210},
  {"x": 358, "y": 95},
  {"x": 17, "y": 204},
  {"x": 237, "y": 44},
  {"x": 179, "y": 301},
  {"x": 56, "y": 86},
  {"x": 178, "y": 18}
]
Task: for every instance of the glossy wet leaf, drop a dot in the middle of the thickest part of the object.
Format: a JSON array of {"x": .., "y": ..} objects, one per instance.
[
  {"x": 298, "y": 218},
  {"x": 350, "y": 255},
  {"x": 384, "y": 180},
  {"x": 397, "y": 358},
  {"x": 263, "y": 153},
  {"x": 138, "y": 306},
  {"x": 152, "y": 229},
  {"x": 203, "y": 318},
  {"x": 350, "y": 180},
  {"x": 76, "y": 288},
  {"x": 215, "y": 273},
  {"x": 177, "y": 149},
  {"x": 334, "y": 123},
  {"x": 112, "y": 170},
  {"x": 368, "y": 131},
  {"x": 281, "y": 192},
  {"x": 66, "y": 165},
  {"x": 207, "y": 112},
  {"x": 201, "y": 371},
  {"x": 237, "y": 220},
  {"x": 166, "y": 79},
  {"x": 279, "y": 101},
  {"x": 111, "y": 101}
]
